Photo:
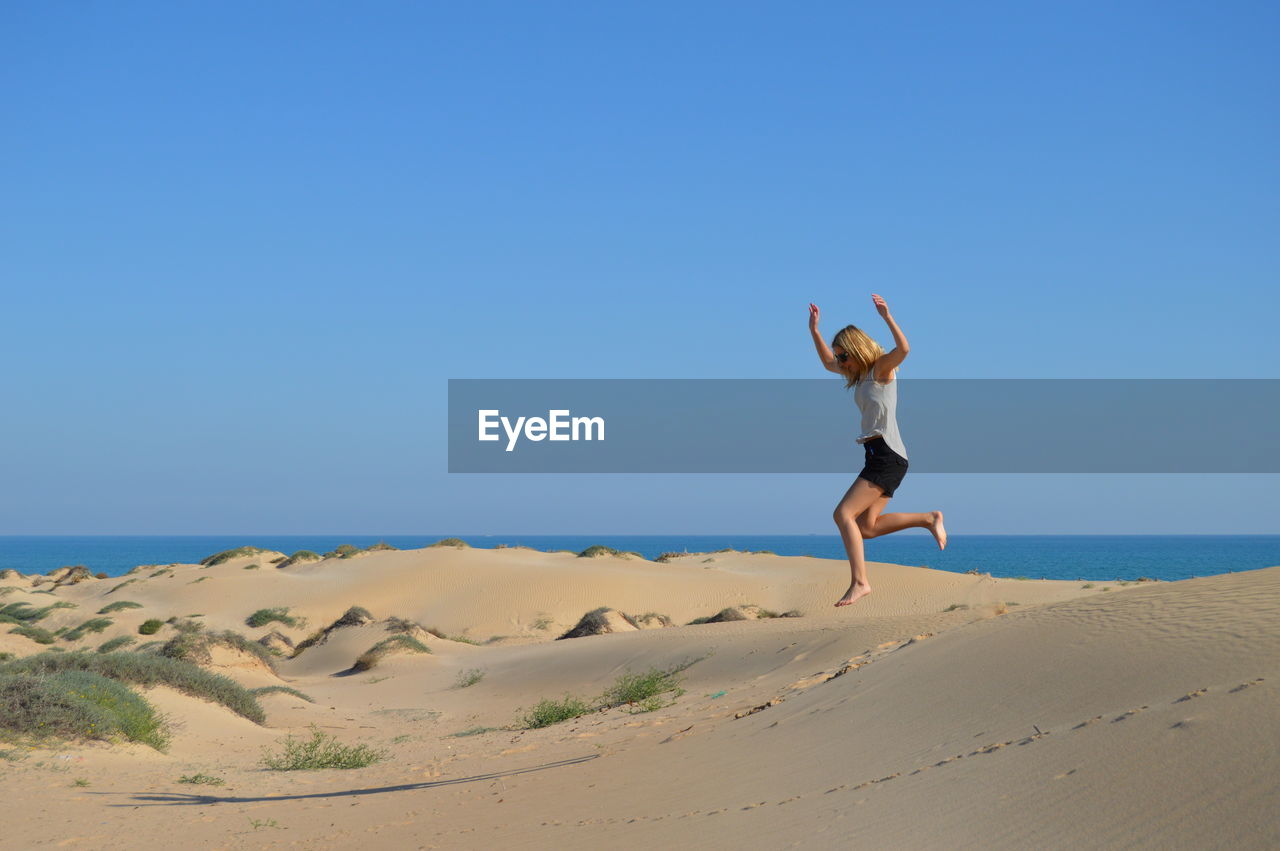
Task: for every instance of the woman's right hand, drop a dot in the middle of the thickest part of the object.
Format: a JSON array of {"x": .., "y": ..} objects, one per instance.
[{"x": 813, "y": 317}]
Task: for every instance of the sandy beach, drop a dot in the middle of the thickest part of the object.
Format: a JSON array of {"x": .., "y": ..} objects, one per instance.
[{"x": 943, "y": 710}]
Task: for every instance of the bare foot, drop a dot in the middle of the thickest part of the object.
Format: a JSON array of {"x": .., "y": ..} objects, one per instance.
[
  {"x": 856, "y": 592},
  {"x": 939, "y": 531}
]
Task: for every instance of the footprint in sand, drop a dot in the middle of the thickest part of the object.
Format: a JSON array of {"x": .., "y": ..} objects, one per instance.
[
  {"x": 1128, "y": 714},
  {"x": 1244, "y": 686}
]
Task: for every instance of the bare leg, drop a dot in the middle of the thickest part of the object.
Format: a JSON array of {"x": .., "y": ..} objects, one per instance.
[
  {"x": 873, "y": 524},
  {"x": 857, "y": 499},
  {"x": 887, "y": 524}
]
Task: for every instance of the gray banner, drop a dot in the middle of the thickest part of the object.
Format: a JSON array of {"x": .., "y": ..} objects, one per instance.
[{"x": 1063, "y": 425}]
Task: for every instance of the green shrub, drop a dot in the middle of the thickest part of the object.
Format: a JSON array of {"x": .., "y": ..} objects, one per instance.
[
  {"x": 314, "y": 638},
  {"x": 76, "y": 704},
  {"x": 228, "y": 555},
  {"x": 25, "y": 613},
  {"x": 322, "y": 751},
  {"x": 204, "y": 779},
  {"x": 38, "y": 634},
  {"x": 150, "y": 627},
  {"x": 374, "y": 654},
  {"x": 595, "y": 622},
  {"x": 118, "y": 605},
  {"x": 342, "y": 551},
  {"x": 122, "y": 584},
  {"x": 91, "y": 625},
  {"x": 634, "y": 688},
  {"x": 146, "y": 669},
  {"x": 465, "y": 640},
  {"x": 187, "y": 625},
  {"x": 300, "y": 557},
  {"x": 258, "y": 692},
  {"x": 639, "y": 692},
  {"x": 474, "y": 731},
  {"x": 452, "y": 542},
  {"x": 262, "y": 617},
  {"x": 116, "y": 643},
  {"x": 354, "y": 616},
  {"x": 548, "y": 712},
  {"x": 468, "y": 677},
  {"x": 598, "y": 550},
  {"x": 196, "y": 647}
]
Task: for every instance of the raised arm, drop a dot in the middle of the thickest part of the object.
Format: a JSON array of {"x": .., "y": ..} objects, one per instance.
[
  {"x": 824, "y": 351},
  {"x": 890, "y": 360}
]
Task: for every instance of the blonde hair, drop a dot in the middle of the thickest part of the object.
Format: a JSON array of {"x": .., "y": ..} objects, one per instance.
[{"x": 863, "y": 353}]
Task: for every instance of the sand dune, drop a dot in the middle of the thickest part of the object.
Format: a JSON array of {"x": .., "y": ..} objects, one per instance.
[{"x": 942, "y": 710}]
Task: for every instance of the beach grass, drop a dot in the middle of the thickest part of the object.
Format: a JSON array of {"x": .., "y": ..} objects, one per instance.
[
  {"x": 371, "y": 657},
  {"x": 76, "y": 704},
  {"x": 145, "y": 669},
  {"x": 262, "y": 617},
  {"x": 258, "y": 692},
  {"x": 549, "y": 711},
  {"x": 473, "y": 731},
  {"x": 300, "y": 557},
  {"x": 92, "y": 625},
  {"x": 228, "y": 555},
  {"x": 25, "y": 613},
  {"x": 196, "y": 645},
  {"x": 320, "y": 751},
  {"x": 118, "y": 605},
  {"x": 116, "y": 643},
  {"x": 202, "y": 779},
  {"x": 638, "y": 692},
  {"x": 469, "y": 677},
  {"x": 38, "y": 634}
]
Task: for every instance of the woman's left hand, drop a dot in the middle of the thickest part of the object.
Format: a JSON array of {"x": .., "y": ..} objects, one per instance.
[{"x": 881, "y": 307}]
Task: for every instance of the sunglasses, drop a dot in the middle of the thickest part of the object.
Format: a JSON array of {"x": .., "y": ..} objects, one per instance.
[{"x": 842, "y": 357}]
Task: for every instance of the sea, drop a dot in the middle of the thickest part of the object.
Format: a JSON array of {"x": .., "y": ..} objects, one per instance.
[{"x": 1070, "y": 557}]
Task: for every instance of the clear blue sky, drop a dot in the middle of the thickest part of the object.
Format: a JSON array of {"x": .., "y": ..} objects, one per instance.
[{"x": 243, "y": 245}]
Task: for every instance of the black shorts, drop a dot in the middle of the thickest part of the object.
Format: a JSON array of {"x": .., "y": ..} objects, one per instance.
[{"x": 883, "y": 466}]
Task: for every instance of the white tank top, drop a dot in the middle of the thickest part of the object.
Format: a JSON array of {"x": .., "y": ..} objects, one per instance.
[{"x": 879, "y": 406}]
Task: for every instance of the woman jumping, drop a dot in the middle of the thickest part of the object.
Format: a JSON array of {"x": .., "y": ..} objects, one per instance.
[{"x": 870, "y": 370}]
